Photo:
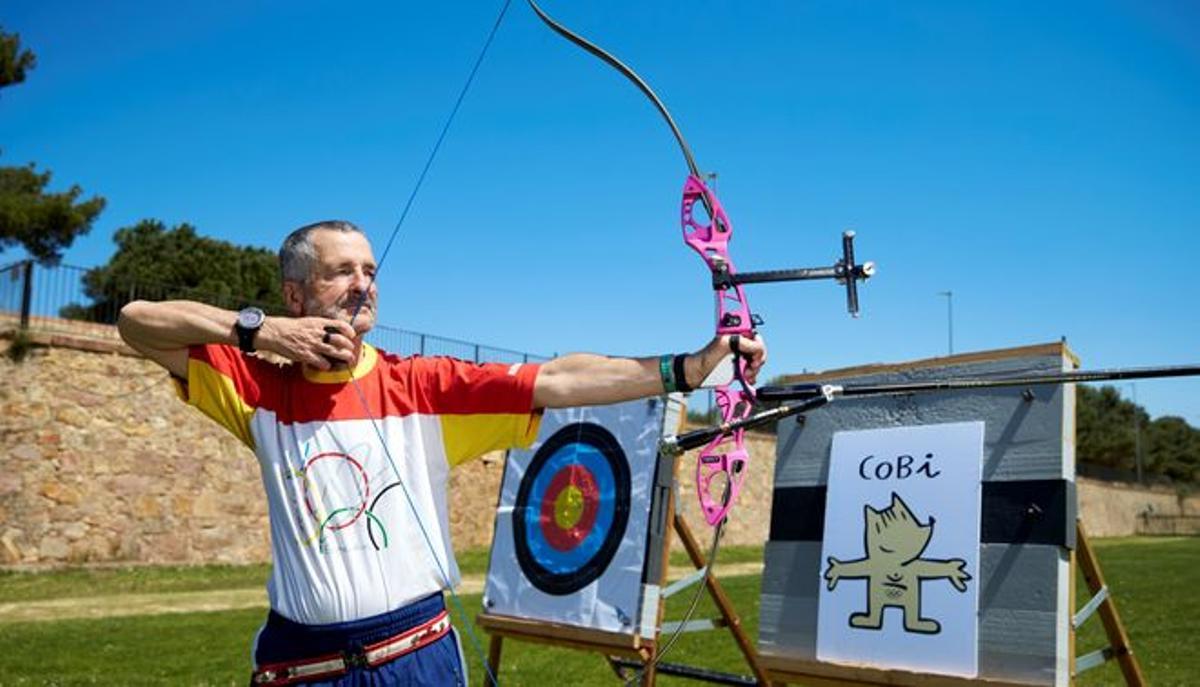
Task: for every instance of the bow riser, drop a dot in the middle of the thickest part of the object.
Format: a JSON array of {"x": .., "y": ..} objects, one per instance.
[
  {"x": 710, "y": 240},
  {"x": 725, "y": 457}
]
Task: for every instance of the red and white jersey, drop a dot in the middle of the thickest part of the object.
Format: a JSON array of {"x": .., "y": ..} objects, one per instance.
[{"x": 345, "y": 540}]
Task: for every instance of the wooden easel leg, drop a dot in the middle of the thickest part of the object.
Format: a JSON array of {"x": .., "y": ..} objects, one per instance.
[
  {"x": 717, "y": 592},
  {"x": 1117, "y": 638},
  {"x": 494, "y": 656},
  {"x": 650, "y": 674}
]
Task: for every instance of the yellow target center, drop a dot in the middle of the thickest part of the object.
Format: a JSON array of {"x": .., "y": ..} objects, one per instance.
[{"x": 568, "y": 507}]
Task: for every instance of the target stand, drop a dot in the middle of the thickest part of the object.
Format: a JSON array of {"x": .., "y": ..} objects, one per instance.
[{"x": 578, "y": 563}]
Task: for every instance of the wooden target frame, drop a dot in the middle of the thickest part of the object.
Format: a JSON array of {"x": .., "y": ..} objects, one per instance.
[
  {"x": 789, "y": 657},
  {"x": 639, "y": 649}
]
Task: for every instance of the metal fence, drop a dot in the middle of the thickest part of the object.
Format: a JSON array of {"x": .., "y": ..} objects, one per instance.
[
  {"x": 55, "y": 299},
  {"x": 15, "y": 283},
  {"x": 1169, "y": 525}
]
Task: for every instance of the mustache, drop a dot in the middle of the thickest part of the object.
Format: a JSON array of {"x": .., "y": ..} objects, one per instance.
[
  {"x": 350, "y": 303},
  {"x": 354, "y": 303}
]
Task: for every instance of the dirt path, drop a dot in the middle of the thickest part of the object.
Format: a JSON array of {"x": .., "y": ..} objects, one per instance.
[
  {"x": 132, "y": 604},
  {"x": 120, "y": 605}
]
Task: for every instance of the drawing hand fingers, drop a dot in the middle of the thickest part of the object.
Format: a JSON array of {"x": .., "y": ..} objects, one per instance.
[
  {"x": 339, "y": 328},
  {"x": 335, "y": 345},
  {"x": 312, "y": 358},
  {"x": 333, "y": 353}
]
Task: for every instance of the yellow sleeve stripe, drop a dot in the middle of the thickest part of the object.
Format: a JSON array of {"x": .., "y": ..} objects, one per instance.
[
  {"x": 214, "y": 395},
  {"x": 469, "y": 436}
]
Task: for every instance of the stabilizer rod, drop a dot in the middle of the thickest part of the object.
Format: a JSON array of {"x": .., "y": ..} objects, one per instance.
[
  {"x": 806, "y": 397},
  {"x": 794, "y": 392}
]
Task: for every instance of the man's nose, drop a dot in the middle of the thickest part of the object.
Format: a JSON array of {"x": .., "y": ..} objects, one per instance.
[{"x": 361, "y": 281}]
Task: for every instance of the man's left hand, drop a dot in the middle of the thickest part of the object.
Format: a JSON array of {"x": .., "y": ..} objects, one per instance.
[{"x": 752, "y": 350}]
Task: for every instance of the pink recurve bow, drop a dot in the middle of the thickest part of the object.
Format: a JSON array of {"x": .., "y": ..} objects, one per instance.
[{"x": 721, "y": 465}]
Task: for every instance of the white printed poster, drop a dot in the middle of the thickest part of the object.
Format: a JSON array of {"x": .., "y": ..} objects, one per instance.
[{"x": 900, "y": 555}]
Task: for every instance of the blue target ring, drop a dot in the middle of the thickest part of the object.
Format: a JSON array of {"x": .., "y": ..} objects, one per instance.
[
  {"x": 561, "y": 557},
  {"x": 550, "y": 556}
]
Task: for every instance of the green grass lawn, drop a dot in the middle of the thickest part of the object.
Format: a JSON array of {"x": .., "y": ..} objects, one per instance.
[
  {"x": 1153, "y": 580},
  {"x": 213, "y": 649},
  {"x": 1155, "y": 583}
]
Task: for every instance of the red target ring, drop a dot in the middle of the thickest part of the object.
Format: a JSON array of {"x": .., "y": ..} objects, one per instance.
[{"x": 569, "y": 509}]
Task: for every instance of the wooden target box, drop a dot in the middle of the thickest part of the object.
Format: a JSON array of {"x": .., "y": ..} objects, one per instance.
[{"x": 1027, "y": 516}]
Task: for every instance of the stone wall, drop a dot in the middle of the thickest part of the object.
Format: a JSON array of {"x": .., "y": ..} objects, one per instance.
[
  {"x": 1113, "y": 509},
  {"x": 100, "y": 464}
]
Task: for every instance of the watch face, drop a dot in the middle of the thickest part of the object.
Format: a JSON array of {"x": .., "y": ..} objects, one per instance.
[{"x": 250, "y": 318}]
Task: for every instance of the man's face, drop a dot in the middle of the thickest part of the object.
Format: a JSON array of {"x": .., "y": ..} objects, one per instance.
[{"x": 344, "y": 270}]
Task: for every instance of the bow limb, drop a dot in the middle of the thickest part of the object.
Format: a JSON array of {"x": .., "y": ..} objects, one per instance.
[
  {"x": 721, "y": 465},
  {"x": 628, "y": 73},
  {"x": 709, "y": 236}
]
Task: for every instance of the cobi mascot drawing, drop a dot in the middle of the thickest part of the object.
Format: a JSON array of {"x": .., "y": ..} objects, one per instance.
[{"x": 894, "y": 568}]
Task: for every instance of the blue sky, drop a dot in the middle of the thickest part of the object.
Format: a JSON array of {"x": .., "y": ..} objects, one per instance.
[{"x": 1039, "y": 160}]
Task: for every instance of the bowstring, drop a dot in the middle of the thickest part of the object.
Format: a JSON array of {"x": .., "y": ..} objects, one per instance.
[
  {"x": 375, "y": 422},
  {"x": 701, "y": 584},
  {"x": 462, "y": 94},
  {"x": 644, "y": 87},
  {"x": 437, "y": 560}
]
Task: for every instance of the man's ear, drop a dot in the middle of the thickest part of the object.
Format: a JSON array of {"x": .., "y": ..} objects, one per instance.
[{"x": 293, "y": 297}]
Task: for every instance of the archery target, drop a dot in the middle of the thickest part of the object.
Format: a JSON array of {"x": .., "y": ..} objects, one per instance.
[
  {"x": 572, "y": 524},
  {"x": 572, "y": 508}
]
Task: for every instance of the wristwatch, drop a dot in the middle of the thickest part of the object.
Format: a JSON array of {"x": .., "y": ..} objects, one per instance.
[{"x": 249, "y": 321}]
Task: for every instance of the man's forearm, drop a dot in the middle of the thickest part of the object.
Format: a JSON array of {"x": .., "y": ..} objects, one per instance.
[
  {"x": 580, "y": 379},
  {"x": 589, "y": 379},
  {"x": 170, "y": 325},
  {"x": 163, "y": 331}
]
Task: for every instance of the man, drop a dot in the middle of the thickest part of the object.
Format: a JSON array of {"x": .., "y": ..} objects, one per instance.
[{"x": 358, "y": 566}]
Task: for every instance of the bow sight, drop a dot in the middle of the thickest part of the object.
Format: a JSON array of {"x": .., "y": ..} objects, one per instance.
[{"x": 845, "y": 271}]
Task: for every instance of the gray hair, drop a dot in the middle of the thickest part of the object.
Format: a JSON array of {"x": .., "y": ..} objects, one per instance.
[{"x": 297, "y": 255}]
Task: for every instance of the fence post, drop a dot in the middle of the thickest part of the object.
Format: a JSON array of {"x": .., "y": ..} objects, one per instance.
[
  {"x": 27, "y": 294},
  {"x": 422, "y": 351},
  {"x": 476, "y": 352}
]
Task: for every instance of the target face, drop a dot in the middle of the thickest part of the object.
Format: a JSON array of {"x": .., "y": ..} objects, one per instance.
[{"x": 572, "y": 508}]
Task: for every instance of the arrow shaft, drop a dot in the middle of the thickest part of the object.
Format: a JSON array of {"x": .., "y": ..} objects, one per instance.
[{"x": 806, "y": 397}]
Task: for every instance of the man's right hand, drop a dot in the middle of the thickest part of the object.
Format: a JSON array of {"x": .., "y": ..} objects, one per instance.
[{"x": 318, "y": 342}]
